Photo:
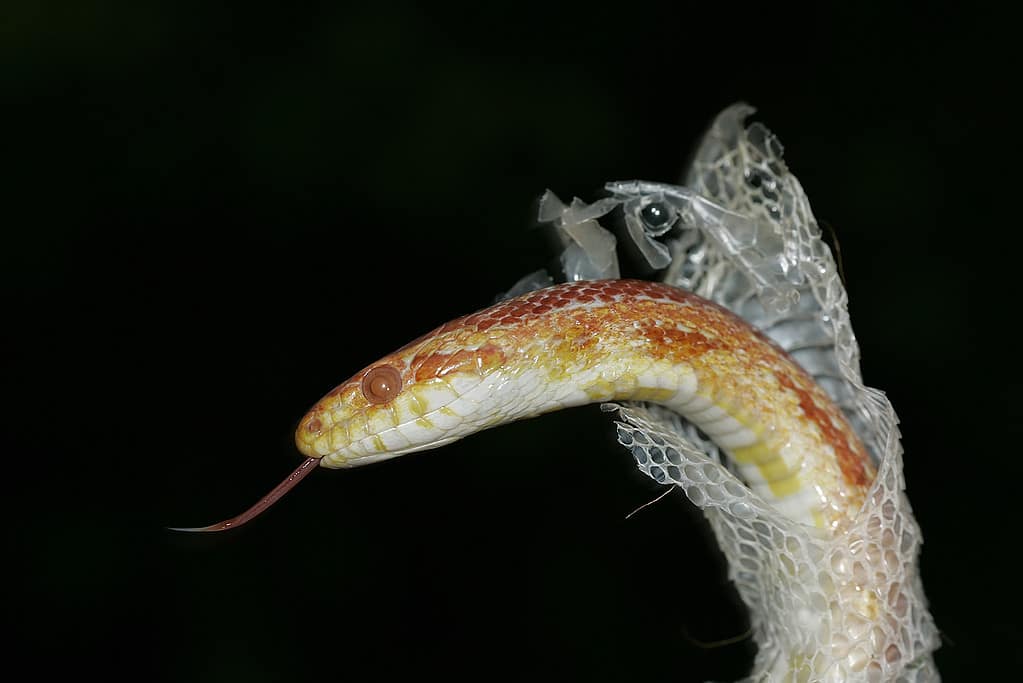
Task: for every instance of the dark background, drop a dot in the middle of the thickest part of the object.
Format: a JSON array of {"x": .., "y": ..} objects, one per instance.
[{"x": 214, "y": 214}]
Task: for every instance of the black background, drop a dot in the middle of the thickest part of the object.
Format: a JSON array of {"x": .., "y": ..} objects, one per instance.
[{"x": 216, "y": 213}]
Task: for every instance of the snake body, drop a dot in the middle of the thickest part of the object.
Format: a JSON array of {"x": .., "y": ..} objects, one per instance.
[
  {"x": 821, "y": 541},
  {"x": 627, "y": 340},
  {"x": 595, "y": 341}
]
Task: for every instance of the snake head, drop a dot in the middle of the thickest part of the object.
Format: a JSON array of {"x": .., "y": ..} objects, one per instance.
[
  {"x": 433, "y": 391},
  {"x": 437, "y": 389}
]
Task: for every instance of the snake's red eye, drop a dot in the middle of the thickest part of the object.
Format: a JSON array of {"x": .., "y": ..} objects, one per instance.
[{"x": 381, "y": 384}]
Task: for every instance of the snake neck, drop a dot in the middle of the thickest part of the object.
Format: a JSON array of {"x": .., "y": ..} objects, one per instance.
[{"x": 782, "y": 433}]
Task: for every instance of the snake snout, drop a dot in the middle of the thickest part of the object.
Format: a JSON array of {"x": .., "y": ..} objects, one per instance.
[{"x": 311, "y": 436}]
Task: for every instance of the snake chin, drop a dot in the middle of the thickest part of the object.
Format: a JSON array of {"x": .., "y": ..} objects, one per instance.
[{"x": 340, "y": 461}]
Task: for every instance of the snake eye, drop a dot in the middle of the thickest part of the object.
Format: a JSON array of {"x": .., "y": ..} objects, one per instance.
[{"x": 381, "y": 384}]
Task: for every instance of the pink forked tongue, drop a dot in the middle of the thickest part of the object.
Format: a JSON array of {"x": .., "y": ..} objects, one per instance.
[{"x": 300, "y": 473}]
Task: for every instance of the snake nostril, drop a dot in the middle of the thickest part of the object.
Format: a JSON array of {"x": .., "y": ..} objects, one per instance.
[{"x": 314, "y": 425}]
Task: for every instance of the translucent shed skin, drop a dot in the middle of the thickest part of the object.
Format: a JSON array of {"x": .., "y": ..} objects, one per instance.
[{"x": 594, "y": 341}]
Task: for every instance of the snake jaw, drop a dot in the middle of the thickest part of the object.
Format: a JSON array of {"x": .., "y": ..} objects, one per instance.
[{"x": 338, "y": 461}]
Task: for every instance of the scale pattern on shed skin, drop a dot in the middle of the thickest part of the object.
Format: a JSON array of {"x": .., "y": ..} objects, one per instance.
[{"x": 593, "y": 341}]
